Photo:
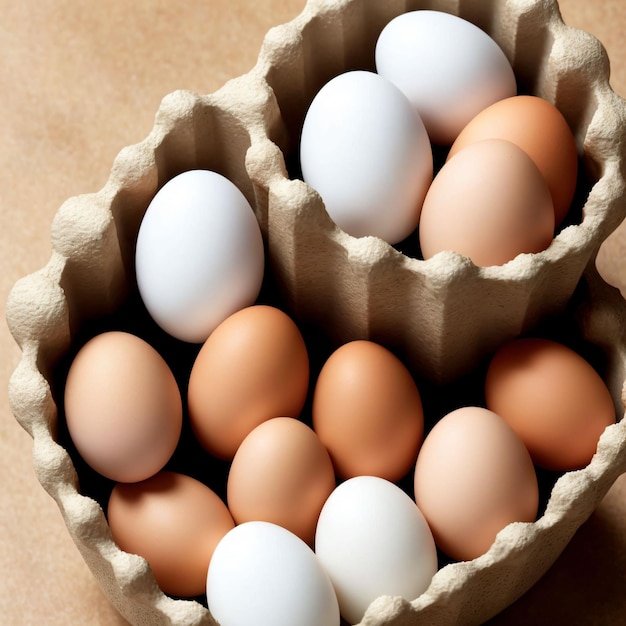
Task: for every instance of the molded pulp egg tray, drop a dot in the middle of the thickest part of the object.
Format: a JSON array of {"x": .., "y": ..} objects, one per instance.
[{"x": 442, "y": 315}]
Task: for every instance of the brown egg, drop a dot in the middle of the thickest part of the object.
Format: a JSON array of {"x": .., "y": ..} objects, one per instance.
[
  {"x": 553, "y": 399},
  {"x": 281, "y": 473},
  {"x": 489, "y": 202},
  {"x": 538, "y": 128},
  {"x": 123, "y": 407},
  {"x": 174, "y": 522},
  {"x": 473, "y": 477},
  {"x": 253, "y": 367},
  {"x": 367, "y": 411}
]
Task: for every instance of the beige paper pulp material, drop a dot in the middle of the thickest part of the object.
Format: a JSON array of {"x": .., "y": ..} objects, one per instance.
[
  {"x": 411, "y": 304},
  {"x": 442, "y": 314}
]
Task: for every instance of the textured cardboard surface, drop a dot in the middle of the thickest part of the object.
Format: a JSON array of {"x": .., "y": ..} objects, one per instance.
[{"x": 65, "y": 74}]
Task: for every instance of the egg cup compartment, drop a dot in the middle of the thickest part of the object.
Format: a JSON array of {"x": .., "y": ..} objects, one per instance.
[
  {"x": 88, "y": 281},
  {"x": 441, "y": 315}
]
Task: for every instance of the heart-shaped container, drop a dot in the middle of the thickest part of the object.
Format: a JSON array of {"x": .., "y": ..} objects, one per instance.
[{"x": 442, "y": 315}]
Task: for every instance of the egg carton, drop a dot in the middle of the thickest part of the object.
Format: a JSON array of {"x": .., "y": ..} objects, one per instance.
[{"x": 441, "y": 315}]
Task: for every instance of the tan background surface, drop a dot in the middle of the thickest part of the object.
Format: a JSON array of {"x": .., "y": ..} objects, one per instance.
[{"x": 79, "y": 80}]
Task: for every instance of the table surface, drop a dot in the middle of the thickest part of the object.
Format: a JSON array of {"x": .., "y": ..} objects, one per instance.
[{"x": 80, "y": 80}]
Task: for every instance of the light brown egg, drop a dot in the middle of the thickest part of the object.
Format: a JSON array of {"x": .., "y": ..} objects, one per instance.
[
  {"x": 281, "y": 473},
  {"x": 174, "y": 522},
  {"x": 553, "y": 399},
  {"x": 473, "y": 477},
  {"x": 489, "y": 202},
  {"x": 123, "y": 407},
  {"x": 367, "y": 411},
  {"x": 253, "y": 367},
  {"x": 538, "y": 128}
]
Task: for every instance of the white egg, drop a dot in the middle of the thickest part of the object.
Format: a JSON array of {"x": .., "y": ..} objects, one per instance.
[
  {"x": 448, "y": 68},
  {"x": 263, "y": 574},
  {"x": 373, "y": 540},
  {"x": 366, "y": 152},
  {"x": 199, "y": 255}
]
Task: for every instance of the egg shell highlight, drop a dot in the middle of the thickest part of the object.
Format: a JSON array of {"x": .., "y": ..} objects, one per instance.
[
  {"x": 473, "y": 477},
  {"x": 263, "y": 574},
  {"x": 373, "y": 540},
  {"x": 367, "y": 411},
  {"x": 552, "y": 398},
  {"x": 174, "y": 522},
  {"x": 199, "y": 254},
  {"x": 448, "y": 68},
  {"x": 123, "y": 407},
  {"x": 283, "y": 474},
  {"x": 489, "y": 203},
  {"x": 538, "y": 128},
  {"x": 253, "y": 367},
  {"x": 367, "y": 154}
]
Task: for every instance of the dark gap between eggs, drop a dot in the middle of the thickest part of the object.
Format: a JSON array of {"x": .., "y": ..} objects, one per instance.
[
  {"x": 189, "y": 458},
  {"x": 410, "y": 246}
]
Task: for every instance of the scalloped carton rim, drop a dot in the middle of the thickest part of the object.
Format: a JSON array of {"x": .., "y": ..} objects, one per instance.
[{"x": 442, "y": 315}]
